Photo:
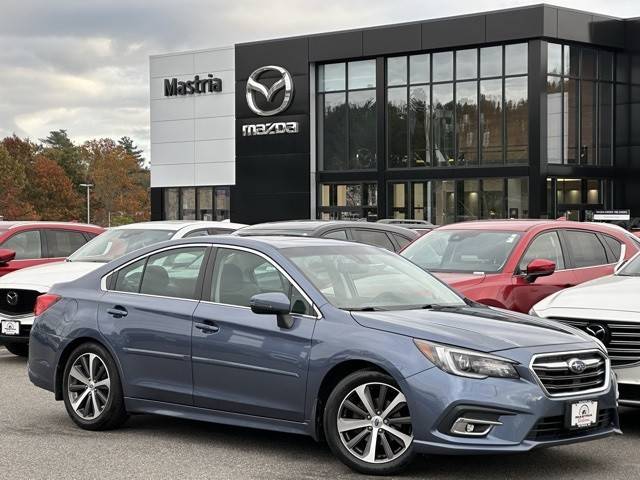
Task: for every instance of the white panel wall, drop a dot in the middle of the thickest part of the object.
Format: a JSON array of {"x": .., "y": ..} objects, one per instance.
[{"x": 193, "y": 136}]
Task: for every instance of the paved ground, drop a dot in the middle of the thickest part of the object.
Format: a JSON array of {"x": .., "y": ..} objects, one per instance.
[{"x": 38, "y": 441}]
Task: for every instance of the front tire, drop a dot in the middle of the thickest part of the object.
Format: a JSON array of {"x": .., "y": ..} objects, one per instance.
[
  {"x": 19, "y": 349},
  {"x": 92, "y": 390},
  {"x": 368, "y": 424}
]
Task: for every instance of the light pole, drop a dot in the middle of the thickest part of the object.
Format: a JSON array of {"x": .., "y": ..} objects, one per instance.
[{"x": 88, "y": 187}]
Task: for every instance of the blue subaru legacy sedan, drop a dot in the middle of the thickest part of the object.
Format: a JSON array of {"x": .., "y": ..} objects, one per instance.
[{"x": 341, "y": 341}]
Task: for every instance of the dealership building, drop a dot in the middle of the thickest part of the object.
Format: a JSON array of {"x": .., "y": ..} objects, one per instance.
[{"x": 523, "y": 113}]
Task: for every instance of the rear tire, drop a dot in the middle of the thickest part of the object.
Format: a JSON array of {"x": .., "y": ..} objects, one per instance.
[
  {"x": 92, "y": 390},
  {"x": 19, "y": 349},
  {"x": 368, "y": 425}
]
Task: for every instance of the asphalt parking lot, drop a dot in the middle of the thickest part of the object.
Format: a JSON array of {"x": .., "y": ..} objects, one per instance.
[{"x": 38, "y": 440}]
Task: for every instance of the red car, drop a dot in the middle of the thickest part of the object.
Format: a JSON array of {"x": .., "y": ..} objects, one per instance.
[
  {"x": 513, "y": 264},
  {"x": 25, "y": 244}
]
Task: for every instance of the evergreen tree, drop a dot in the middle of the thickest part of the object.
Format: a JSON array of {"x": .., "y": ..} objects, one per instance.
[{"x": 127, "y": 144}]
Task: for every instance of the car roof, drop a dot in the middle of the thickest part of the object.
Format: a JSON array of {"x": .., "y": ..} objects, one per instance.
[
  {"x": 9, "y": 225},
  {"x": 531, "y": 225},
  {"x": 309, "y": 227},
  {"x": 176, "y": 225},
  {"x": 509, "y": 225}
]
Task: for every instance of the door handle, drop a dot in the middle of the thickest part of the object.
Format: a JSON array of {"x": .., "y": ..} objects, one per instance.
[
  {"x": 118, "y": 311},
  {"x": 207, "y": 327}
]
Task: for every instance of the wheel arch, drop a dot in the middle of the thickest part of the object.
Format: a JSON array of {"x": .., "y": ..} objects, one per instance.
[
  {"x": 64, "y": 356},
  {"x": 328, "y": 383}
]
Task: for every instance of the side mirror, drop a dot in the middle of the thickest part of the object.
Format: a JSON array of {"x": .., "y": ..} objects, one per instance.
[
  {"x": 274, "y": 303},
  {"x": 539, "y": 267},
  {"x": 6, "y": 255},
  {"x": 621, "y": 261}
]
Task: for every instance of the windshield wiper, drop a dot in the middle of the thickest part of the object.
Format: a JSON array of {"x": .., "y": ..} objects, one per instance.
[{"x": 364, "y": 309}]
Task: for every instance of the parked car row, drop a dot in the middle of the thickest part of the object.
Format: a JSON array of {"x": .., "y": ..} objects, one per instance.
[{"x": 305, "y": 327}]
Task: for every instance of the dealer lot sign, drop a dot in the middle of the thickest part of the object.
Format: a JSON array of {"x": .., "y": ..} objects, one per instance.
[{"x": 209, "y": 84}]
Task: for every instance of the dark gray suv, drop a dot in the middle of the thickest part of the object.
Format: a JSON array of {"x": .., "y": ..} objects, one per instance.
[{"x": 387, "y": 236}]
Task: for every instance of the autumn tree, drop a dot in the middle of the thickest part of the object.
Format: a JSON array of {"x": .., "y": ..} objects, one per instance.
[
  {"x": 13, "y": 180},
  {"x": 51, "y": 191},
  {"x": 120, "y": 190}
]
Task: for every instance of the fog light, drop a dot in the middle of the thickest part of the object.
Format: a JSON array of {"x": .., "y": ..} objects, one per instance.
[{"x": 473, "y": 427}]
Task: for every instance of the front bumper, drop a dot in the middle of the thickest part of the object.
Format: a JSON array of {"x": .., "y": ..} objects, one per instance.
[
  {"x": 629, "y": 385},
  {"x": 529, "y": 418},
  {"x": 25, "y": 321}
]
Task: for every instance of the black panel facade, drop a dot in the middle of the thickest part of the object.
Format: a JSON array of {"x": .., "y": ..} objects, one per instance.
[{"x": 272, "y": 169}]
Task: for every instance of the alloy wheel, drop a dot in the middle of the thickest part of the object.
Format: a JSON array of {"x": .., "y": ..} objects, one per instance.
[
  {"x": 374, "y": 423},
  {"x": 89, "y": 386}
]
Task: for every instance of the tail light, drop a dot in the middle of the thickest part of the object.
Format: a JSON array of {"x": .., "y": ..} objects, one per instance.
[{"x": 43, "y": 302}]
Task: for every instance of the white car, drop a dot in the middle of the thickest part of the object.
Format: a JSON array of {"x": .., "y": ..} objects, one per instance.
[
  {"x": 21, "y": 288},
  {"x": 607, "y": 308}
]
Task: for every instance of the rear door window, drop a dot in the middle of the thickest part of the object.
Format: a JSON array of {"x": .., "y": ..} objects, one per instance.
[
  {"x": 615, "y": 247},
  {"x": 27, "y": 244},
  {"x": 62, "y": 243},
  {"x": 372, "y": 237},
  {"x": 173, "y": 273},
  {"x": 585, "y": 249},
  {"x": 336, "y": 234},
  {"x": 402, "y": 241},
  {"x": 545, "y": 246}
]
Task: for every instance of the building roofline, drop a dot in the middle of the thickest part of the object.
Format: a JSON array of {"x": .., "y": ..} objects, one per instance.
[{"x": 431, "y": 20}]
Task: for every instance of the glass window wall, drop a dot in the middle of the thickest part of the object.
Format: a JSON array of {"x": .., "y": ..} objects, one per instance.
[
  {"x": 433, "y": 121},
  {"x": 579, "y": 105},
  {"x": 346, "y": 115},
  {"x": 448, "y": 201}
]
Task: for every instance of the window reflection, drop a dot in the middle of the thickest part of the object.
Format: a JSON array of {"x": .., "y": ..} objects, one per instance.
[
  {"x": 171, "y": 203},
  {"x": 419, "y": 126},
  {"x": 188, "y": 202},
  {"x": 554, "y": 119},
  {"x": 396, "y": 71},
  {"x": 491, "y": 120},
  {"x": 397, "y": 127},
  {"x": 362, "y": 131},
  {"x": 419, "y": 68},
  {"x": 491, "y": 61},
  {"x": 466, "y": 64},
  {"x": 347, "y": 201},
  {"x": 442, "y": 66},
  {"x": 334, "y": 131},
  {"x": 587, "y": 123},
  {"x": 331, "y": 77},
  {"x": 362, "y": 74},
  {"x": 517, "y": 119},
  {"x": 467, "y": 123},
  {"x": 443, "y": 138},
  {"x": 516, "y": 59}
]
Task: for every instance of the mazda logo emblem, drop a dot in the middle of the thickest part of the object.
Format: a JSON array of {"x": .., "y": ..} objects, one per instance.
[
  {"x": 12, "y": 298},
  {"x": 576, "y": 365},
  {"x": 254, "y": 86},
  {"x": 600, "y": 331}
]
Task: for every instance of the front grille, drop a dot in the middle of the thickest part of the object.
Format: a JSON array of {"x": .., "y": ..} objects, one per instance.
[
  {"x": 15, "y": 302},
  {"x": 629, "y": 392},
  {"x": 558, "y": 379},
  {"x": 554, "y": 428},
  {"x": 622, "y": 339}
]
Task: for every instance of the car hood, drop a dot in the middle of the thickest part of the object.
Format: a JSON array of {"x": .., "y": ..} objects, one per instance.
[
  {"x": 42, "y": 277},
  {"x": 477, "y": 328},
  {"x": 611, "y": 293},
  {"x": 460, "y": 281}
]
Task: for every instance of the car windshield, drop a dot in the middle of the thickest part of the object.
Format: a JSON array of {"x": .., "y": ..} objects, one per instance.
[
  {"x": 472, "y": 251},
  {"x": 115, "y": 243},
  {"x": 360, "y": 277},
  {"x": 631, "y": 269}
]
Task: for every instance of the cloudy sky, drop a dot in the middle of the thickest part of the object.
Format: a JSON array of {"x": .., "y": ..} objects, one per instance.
[{"x": 83, "y": 65}]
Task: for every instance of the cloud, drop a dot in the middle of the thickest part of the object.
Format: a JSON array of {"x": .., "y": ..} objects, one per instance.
[{"x": 83, "y": 65}]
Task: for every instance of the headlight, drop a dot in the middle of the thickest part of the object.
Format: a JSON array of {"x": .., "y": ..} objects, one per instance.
[{"x": 466, "y": 363}]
